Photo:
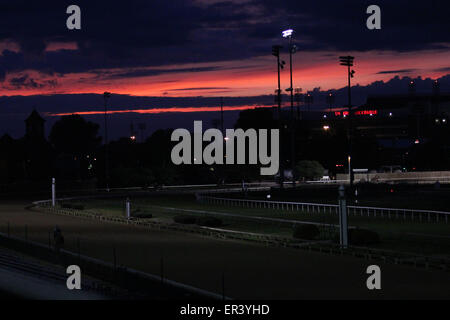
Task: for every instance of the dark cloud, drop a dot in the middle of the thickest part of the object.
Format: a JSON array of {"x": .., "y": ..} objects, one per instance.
[
  {"x": 445, "y": 69},
  {"x": 396, "y": 71},
  {"x": 151, "y": 72},
  {"x": 144, "y": 33},
  {"x": 27, "y": 82}
]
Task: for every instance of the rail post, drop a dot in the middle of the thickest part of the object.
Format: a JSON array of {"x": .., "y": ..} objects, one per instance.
[
  {"x": 128, "y": 208},
  {"x": 343, "y": 226},
  {"x": 53, "y": 192}
]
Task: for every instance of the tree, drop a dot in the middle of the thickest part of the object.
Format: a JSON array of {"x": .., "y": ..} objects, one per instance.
[
  {"x": 258, "y": 118},
  {"x": 309, "y": 170},
  {"x": 75, "y": 141},
  {"x": 74, "y": 135}
]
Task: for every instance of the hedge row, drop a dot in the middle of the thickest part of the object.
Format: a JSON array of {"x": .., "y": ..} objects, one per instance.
[{"x": 211, "y": 222}]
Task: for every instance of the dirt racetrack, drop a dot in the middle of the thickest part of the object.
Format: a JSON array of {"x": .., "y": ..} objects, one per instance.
[{"x": 251, "y": 271}]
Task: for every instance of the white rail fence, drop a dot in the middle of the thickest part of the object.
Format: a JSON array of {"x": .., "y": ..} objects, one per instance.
[{"x": 415, "y": 215}]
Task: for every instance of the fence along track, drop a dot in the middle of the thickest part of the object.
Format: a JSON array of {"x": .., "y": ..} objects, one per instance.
[
  {"x": 386, "y": 256},
  {"x": 414, "y": 215}
]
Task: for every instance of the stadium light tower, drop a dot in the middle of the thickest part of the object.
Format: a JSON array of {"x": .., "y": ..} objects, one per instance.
[
  {"x": 348, "y": 62},
  {"x": 280, "y": 65},
  {"x": 292, "y": 49}
]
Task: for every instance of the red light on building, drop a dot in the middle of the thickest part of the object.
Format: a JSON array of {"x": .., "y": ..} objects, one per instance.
[
  {"x": 366, "y": 112},
  {"x": 357, "y": 113}
]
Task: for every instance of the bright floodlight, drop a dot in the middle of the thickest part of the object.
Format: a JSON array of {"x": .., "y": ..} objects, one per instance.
[{"x": 287, "y": 33}]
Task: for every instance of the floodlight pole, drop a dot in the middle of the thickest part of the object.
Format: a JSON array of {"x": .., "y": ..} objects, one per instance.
[
  {"x": 276, "y": 53},
  {"x": 350, "y": 125},
  {"x": 291, "y": 89},
  {"x": 348, "y": 62}
]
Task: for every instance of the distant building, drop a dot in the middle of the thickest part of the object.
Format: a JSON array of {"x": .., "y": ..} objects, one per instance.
[
  {"x": 410, "y": 131},
  {"x": 411, "y": 117},
  {"x": 36, "y": 149}
]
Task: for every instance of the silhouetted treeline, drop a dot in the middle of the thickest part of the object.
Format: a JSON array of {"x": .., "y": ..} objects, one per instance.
[{"x": 74, "y": 152}]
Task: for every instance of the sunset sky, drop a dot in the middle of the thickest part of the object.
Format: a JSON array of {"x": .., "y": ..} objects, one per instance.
[{"x": 176, "y": 48}]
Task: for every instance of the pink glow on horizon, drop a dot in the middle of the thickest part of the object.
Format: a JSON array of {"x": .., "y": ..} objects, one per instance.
[
  {"x": 251, "y": 77},
  {"x": 160, "y": 110}
]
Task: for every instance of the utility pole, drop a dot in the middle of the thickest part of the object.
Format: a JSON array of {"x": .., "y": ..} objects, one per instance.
[
  {"x": 106, "y": 96},
  {"x": 280, "y": 65},
  {"x": 348, "y": 62}
]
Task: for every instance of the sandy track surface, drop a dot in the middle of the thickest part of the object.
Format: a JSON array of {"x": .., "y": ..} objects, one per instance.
[{"x": 251, "y": 271}]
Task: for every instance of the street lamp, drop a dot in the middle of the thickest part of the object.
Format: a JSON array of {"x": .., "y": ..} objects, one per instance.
[
  {"x": 292, "y": 49},
  {"x": 330, "y": 100},
  {"x": 436, "y": 87},
  {"x": 309, "y": 100},
  {"x": 106, "y": 96},
  {"x": 348, "y": 62}
]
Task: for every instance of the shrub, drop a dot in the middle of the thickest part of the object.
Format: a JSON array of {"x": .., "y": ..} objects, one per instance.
[
  {"x": 362, "y": 237},
  {"x": 211, "y": 222},
  {"x": 66, "y": 206},
  {"x": 306, "y": 231},
  {"x": 140, "y": 214},
  {"x": 184, "y": 219},
  {"x": 309, "y": 170},
  {"x": 78, "y": 206}
]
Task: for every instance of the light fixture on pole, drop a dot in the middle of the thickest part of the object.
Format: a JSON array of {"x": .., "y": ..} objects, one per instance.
[{"x": 287, "y": 33}]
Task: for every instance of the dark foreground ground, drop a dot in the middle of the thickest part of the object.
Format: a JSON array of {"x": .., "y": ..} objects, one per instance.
[{"x": 250, "y": 271}]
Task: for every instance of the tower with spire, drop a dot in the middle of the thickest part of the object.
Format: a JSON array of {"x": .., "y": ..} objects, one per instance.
[{"x": 34, "y": 125}]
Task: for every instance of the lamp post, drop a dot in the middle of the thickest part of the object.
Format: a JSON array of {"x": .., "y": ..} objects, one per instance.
[
  {"x": 348, "y": 62},
  {"x": 106, "y": 96},
  {"x": 280, "y": 65},
  {"x": 292, "y": 49},
  {"x": 330, "y": 100},
  {"x": 309, "y": 99}
]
